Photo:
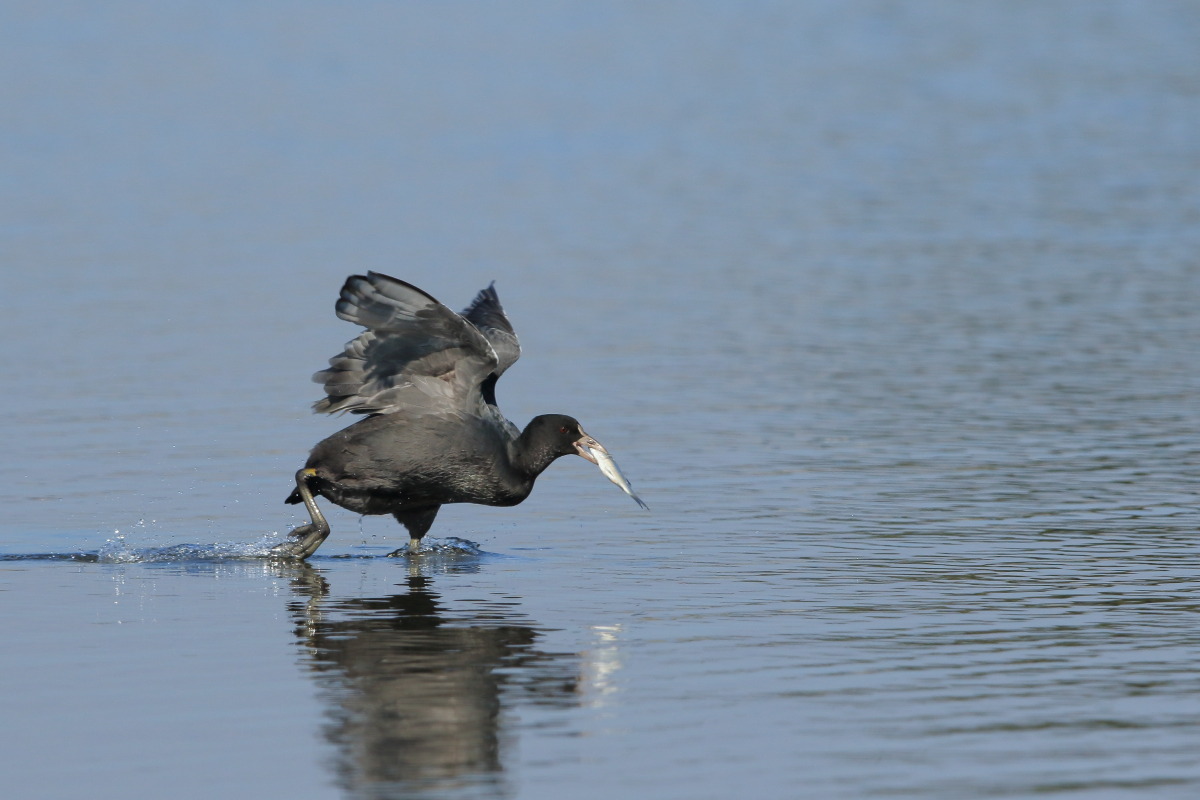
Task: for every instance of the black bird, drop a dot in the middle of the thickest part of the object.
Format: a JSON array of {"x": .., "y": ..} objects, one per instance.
[{"x": 426, "y": 378}]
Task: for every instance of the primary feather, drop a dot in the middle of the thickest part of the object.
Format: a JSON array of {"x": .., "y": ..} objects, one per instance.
[{"x": 416, "y": 353}]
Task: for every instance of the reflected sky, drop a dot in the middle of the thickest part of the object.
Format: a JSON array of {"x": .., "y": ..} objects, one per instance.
[{"x": 889, "y": 308}]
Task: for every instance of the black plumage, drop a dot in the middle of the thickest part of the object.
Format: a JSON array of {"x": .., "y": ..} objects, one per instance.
[{"x": 425, "y": 377}]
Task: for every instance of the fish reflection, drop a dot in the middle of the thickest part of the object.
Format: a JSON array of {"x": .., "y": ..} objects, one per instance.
[{"x": 417, "y": 693}]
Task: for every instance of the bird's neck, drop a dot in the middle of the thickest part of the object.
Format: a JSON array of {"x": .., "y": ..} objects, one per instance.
[{"x": 530, "y": 459}]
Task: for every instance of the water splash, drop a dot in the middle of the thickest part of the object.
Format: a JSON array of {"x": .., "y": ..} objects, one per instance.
[
  {"x": 118, "y": 550},
  {"x": 451, "y": 546}
]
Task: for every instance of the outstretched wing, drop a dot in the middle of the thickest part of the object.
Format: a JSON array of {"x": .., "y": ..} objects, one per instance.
[
  {"x": 486, "y": 314},
  {"x": 416, "y": 353}
]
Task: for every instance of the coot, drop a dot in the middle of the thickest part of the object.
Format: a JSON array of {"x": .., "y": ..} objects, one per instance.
[{"x": 426, "y": 379}]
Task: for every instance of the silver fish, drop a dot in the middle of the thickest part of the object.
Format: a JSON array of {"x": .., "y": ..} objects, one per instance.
[{"x": 611, "y": 471}]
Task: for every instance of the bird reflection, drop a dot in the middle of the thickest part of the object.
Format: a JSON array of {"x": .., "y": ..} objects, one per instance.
[{"x": 416, "y": 694}]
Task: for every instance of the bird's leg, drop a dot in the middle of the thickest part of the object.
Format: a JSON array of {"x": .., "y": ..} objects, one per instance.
[
  {"x": 418, "y": 522},
  {"x": 307, "y": 538}
]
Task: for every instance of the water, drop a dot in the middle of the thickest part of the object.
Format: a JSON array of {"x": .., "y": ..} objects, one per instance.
[{"x": 886, "y": 309}]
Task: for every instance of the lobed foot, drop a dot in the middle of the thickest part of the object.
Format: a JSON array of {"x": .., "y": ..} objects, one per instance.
[
  {"x": 307, "y": 538},
  {"x": 305, "y": 541}
]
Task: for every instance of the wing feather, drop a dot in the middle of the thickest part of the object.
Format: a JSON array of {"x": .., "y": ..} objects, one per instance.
[
  {"x": 416, "y": 353},
  {"x": 486, "y": 314}
]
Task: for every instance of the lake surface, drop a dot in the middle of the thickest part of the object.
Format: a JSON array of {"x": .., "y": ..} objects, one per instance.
[{"x": 888, "y": 310}]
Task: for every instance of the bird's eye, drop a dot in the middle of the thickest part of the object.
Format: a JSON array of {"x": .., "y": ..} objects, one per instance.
[{"x": 563, "y": 429}]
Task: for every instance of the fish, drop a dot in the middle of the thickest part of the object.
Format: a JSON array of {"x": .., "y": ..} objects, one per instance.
[{"x": 608, "y": 466}]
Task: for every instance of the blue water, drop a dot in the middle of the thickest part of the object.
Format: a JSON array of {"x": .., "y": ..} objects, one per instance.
[{"x": 888, "y": 310}]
